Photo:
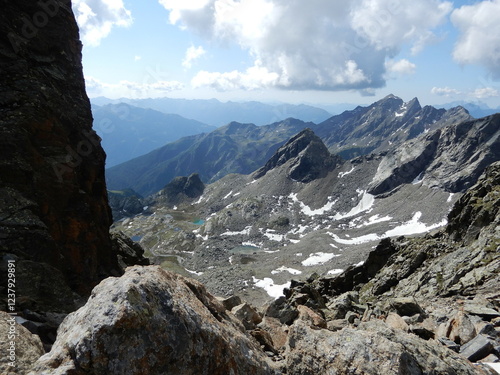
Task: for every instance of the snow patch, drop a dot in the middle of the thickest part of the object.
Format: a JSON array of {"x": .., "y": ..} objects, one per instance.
[
  {"x": 286, "y": 269},
  {"x": 335, "y": 271},
  {"x": 318, "y": 258},
  {"x": 248, "y": 243},
  {"x": 273, "y": 236},
  {"x": 200, "y": 199},
  {"x": 371, "y": 220},
  {"x": 342, "y": 174},
  {"x": 450, "y": 197},
  {"x": 306, "y": 210},
  {"x": 194, "y": 272},
  {"x": 228, "y": 195},
  {"x": 268, "y": 285},
  {"x": 364, "y": 205},
  {"x": 245, "y": 231},
  {"x": 418, "y": 179},
  {"x": 413, "y": 226}
]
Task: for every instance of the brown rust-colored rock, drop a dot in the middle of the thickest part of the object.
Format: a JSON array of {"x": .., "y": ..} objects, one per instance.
[{"x": 53, "y": 195}]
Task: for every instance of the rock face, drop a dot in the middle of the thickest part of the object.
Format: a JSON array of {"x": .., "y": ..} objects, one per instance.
[
  {"x": 311, "y": 158},
  {"x": 389, "y": 121},
  {"x": 233, "y": 148},
  {"x": 370, "y": 348},
  {"x": 53, "y": 201},
  {"x": 452, "y": 157},
  {"x": 125, "y": 203},
  {"x": 150, "y": 321},
  {"x": 452, "y": 278},
  {"x": 243, "y": 148},
  {"x": 182, "y": 188}
]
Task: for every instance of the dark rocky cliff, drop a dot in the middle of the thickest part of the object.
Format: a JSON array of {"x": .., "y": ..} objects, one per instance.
[{"x": 54, "y": 213}]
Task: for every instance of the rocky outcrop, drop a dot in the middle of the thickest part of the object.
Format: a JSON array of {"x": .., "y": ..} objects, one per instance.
[
  {"x": 182, "y": 188},
  {"x": 378, "y": 127},
  {"x": 370, "y": 348},
  {"x": 129, "y": 252},
  {"x": 54, "y": 216},
  {"x": 125, "y": 203},
  {"x": 150, "y": 321},
  {"x": 308, "y": 156},
  {"x": 20, "y": 348},
  {"x": 452, "y": 158},
  {"x": 415, "y": 302}
]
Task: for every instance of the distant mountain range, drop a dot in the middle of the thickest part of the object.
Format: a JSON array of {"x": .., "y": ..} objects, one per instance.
[
  {"x": 216, "y": 113},
  {"x": 476, "y": 109},
  {"x": 307, "y": 210},
  {"x": 128, "y": 131},
  {"x": 243, "y": 148}
]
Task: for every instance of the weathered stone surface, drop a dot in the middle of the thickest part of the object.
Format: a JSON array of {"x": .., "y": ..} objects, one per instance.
[
  {"x": 371, "y": 348},
  {"x": 395, "y": 321},
  {"x": 449, "y": 344},
  {"x": 53, "y": 200},
  {"x": 264, "y": 338},
  {"x": 339, "y": 306},
  {"x": 406, "y": 306},
  {"x": 277, "y": 331},
  {"x": 482, "y": 311},
  {"x": 248, "y": 316},
  {"x": 150, "y": 321},
  {"x": 477, "y": 348},
  {"x": 128, "y": 251},
  {"x": 230, "y": 302},
  {"x": 282, "y": 310},
  {"x": 27, "y": 348},
  {"x": 461, "y": 329},
  {"x": 308, "y": 315}
]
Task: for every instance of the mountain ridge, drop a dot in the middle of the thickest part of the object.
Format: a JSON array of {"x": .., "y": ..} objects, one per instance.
[
  {"x": 269, "y": 219},
  {"x": 128, "y": 132},
  {"x": 242, "y": 148},
  {"x": 216, "y": 113}
]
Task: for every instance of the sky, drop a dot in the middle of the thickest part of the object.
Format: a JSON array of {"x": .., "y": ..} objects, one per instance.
[{"x": 314, "y": 52}]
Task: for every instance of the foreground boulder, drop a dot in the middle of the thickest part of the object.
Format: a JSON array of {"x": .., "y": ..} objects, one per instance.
[
  {"x": 150, "y": 321},
  {"x": 20, "y": 348}
]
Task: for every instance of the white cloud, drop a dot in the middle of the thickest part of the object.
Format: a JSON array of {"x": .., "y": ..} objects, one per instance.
[
  {"x": 480, "y": 93},
  {"x": 96, "y": 18},
  {"x": 400, "y": 67},
  {"x": 445, "y": 91},
  {"x": 485, "y": 93},
  {"x": 130, "y": 89},
  {"x": 478, "y": 43},
  {"x": 388, "y": 23},
  {"x": 137, "y": 58},
  {"x": 253, "y": 78},
  {"x": 325, "y": 45},
  {"x": 193, "y": 53}
]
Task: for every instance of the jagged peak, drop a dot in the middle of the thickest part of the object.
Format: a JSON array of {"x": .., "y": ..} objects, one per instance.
[
  {"x": 414, "y": 103},
  {"x": 310, "y": 154}
]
